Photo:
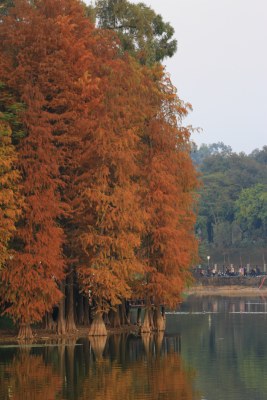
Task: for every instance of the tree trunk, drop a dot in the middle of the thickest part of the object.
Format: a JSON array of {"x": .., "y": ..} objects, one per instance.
[
  {"x": 25, "y": 332},
  {"x": 146, "y": 339},
  {"x": 114, "y": 318},
  {"x": 128, "y": 312},
  {"x": 158, "y": 342},
  {"x": 86, "y": 320},
  {"x": 98, "y": 345},
  {"x": 98, "y": 327},
  {"x": 106, "y": 319},
  {"x": 116, "y": 345},
  {"x": 151, "y": 319},
  {"x": 124, "y": 313},
  {"x": 159, "y": 322},
  {"x": 80, "y": 309},
  {"x": 61, "y": 322},
  {"x": 163, "y": 313},
  {"x": 70, "y": 378},
  {"x": 50, "y": 324},
  {"x": 62, "y": 357},
  {"x": 138, "y": 318},
  {"x": 70, "y": 320},
  {"x": 146, "y": 327}
]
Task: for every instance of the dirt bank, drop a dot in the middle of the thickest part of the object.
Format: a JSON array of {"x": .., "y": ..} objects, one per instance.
[
  {"x": 42, "y": 335},
  {"x": 226, "y": 290}
]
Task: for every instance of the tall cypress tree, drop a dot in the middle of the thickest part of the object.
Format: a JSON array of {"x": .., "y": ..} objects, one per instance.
[
  {"x": 169, "y": 179},
  {"x": 45, "y": 70},
  {"x": 108, "y": 216}
]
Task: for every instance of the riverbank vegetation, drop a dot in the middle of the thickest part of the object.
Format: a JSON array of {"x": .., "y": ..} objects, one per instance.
[
  {"x": 96, "y": 179},
  {"x": 232, "y": 220}
]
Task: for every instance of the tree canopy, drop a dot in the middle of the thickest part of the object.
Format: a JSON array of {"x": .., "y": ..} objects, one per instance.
[
  {"x": 106, "y": 196},
  {"x": 231, "y": 207},
  {"x": 142, "y": 32}
]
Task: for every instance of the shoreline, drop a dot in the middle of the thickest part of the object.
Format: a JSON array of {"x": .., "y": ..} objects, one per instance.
[
  {"x": 8, "y": 336},
  {"x": 226, "y": 290}
]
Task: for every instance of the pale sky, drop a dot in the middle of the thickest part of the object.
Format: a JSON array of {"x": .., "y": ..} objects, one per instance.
[{"x": 221, "y": 67}]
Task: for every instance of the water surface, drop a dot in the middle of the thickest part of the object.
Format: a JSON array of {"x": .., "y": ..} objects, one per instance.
[{"x": 213, "y": 348}]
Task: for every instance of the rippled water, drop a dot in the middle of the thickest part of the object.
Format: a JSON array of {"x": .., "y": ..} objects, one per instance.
[{"x": 213, "y": 349}]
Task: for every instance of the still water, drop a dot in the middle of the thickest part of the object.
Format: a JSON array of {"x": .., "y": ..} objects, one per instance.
[{"x": 213, "y": 349}]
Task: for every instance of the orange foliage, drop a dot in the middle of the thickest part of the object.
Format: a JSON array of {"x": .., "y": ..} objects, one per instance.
[
  {"x": 159, "y": 377},
  {"x": 108, "y": 215},
  {"x": 169, "y": 179},
  {"x": 63, "y": 372},
  {"x": 45, "y": 70},
  {"x": 9, "y": 197},
  {"x": 28, "y": 377},
  {"x": 105, "y": 165}
]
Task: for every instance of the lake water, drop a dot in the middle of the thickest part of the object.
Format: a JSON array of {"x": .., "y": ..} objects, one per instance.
[{"x": 213, "y": 349}]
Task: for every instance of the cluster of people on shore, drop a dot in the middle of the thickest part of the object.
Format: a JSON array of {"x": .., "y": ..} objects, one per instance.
[{"x": 228, "y": 271}]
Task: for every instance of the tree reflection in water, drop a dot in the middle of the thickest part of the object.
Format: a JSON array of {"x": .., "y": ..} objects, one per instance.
[
  {"x": 28, "y": 377},
  {"x": 155, "y": 374},
  {"x": 125, "y": 367}
]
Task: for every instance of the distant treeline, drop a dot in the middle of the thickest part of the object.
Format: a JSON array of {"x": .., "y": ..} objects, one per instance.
[{"x": 233, "y": 198}]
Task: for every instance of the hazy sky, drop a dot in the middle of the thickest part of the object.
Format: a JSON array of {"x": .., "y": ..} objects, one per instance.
[{"x": 221, "y": 67}]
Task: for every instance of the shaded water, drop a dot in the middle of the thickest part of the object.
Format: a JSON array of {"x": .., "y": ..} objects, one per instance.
[{"x": 214, "y": 348}]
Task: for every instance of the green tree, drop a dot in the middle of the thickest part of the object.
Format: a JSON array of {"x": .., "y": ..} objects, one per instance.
[
  {"x": 251, "y": 209},
  {"x": 142, "y": 32},
  {"x": 199, "y": 154},
  {"x": 4, "y": 6},
  {"x": 260, "y": 155},
  {"x": 225, "y": 175}
]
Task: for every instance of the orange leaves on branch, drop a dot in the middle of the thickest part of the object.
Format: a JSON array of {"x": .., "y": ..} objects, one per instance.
[
  {"x": 48, "y": 58},
  {"x": 9, "y": 197},
  {"x": 110, "y": 219},
  {"x": 105, "y": 166},
  {"x": 168, "y": 245}
]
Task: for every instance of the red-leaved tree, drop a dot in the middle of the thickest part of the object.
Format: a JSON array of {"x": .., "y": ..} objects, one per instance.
[
  {"x": 44, "y": 70},
  {"x": 109, "y": 217},
  {"x": 169, "y": 180}
]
